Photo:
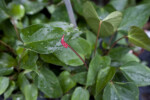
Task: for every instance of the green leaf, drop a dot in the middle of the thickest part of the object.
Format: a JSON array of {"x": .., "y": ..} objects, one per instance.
[
  {"x": 58, "y": 12},
  {"x": 137, "y": 73},
  {"x": 18, "y": 97},
  {"x": 93, "y": 20},
  {"x": 119, "y": 4},
  {"x": 48, "y": 83},
  {"x": 51, "y": 58},
  {"x": 140, "y": 15},
  {"x": 32, "y": 7},
  {"x": 114, "y": 18},
  {"x": 4, "y": 83},
  {"x": 66, "y": 81},
  {"x": 7, "y": 64},
  {"x": 3, "y": 16},
  {"x": 30, "y": 92},
  {"x": 96, "y": 64},
  {"x": 121, "y": 91},
  {"x": 10, "y": 90},
  {"x": 67, "y": 56},
  {"x": 45, "y": 38},
  {"x": 22, "y": 81},
  {"x": 138, "y": 37},
  {"x": 29, "y": 61},
  {"x": 66, "y": 97},
  {"x": 80, "y": 78},
  {"x": 80, "y": 94},
  {"x": 118, "y": 52},
  {"x": 104, "y": 76},
  {"x": 78, "y": 6}
]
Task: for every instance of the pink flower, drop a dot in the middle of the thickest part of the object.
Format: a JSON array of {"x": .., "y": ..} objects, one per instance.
[{"x": 63, "y": 42}]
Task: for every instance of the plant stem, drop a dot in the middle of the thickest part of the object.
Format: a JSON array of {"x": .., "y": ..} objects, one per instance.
[
  {"x": 10, "y": 48},
  {"x": 116, "y": 43},
  {"x": 17, "y": 33},
  {"x": 78, "y": 56},
  {"x": 97, "y": 36}
]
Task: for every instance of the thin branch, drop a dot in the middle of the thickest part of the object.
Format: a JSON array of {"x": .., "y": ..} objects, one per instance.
[
  {"x": 17, "y": 33},
  {"x": 97, "y": 36},
  {"x": 116, "y": 43},
  {"x": 9, "y": 47}
]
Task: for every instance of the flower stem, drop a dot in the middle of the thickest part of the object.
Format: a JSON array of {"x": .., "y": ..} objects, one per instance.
[
  {"x": 116, "y": 43},
  {"x": 97, "y": 36},
  {"x": 78, "y": 56},
  {"x": 17, "y": 33}
]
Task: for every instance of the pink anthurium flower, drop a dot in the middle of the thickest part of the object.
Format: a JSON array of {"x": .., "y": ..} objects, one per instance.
[
  {"x": 67, "y": 45},
  {"x": 63, "y": 42}
]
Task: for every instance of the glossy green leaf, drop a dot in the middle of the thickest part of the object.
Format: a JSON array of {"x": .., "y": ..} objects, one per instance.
[
  {"x": 121, "y": 91},
  {"x": 51, "y": 58},
  {"x": 48, "y": 83},
  {"x": 29, "y": 61},
  {"x": 135, "y": 16},
  {"x": 96, "y": 64},
  {"x": 93, "y": 20},
  {"x": 7, "y": 64},
  {"x": 138, "y": 37},
  {"x": 66, "y": 81},
  {"x": 104, "y": 76},
  {"x": 22, "y": 81},
  {"x": 80, "y": 94},
  {"x": 114, "y": 18},
  {"x": 45, "y": 38},
  {"x": 119, "y": 4},
  {"x": 30, "y": 92},
  {"x": 67, "y": 56},
  {"x": 137, "y": 73},
  {"x": 80, "y": 78},
  {"x": 11, "y": 88},
  {"x": 4, "y": 83}
]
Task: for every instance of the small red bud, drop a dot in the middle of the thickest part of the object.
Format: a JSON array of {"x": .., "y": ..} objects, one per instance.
[{"x": 63, "y": 42}]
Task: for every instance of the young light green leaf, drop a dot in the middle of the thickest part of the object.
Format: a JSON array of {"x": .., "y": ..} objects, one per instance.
[
  {"x": 48, "y": 83},
  {"x": 139, "y": 16},
  {"x": 137, "y": 73},
  {"x": 10, "y": 90},
  {"x": 114, "y": 18},
  {"x": 121, "y": 91},
  {"x": 45, "y": 38},
  {"x": 4, "y": 83},
  {"x": 18, "y": 97},
  {"x": 80, "y": 94},
  {"x": 119, "y": 4},
  {"x": 96, "y": 64},
  {"x": 30, "y": 92},
  {"x": 93, "y": 20},
  {"x": 138, "y": 37},
  {"x": 66, "y": 81},
  {"x": 104, "y": 76}
]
